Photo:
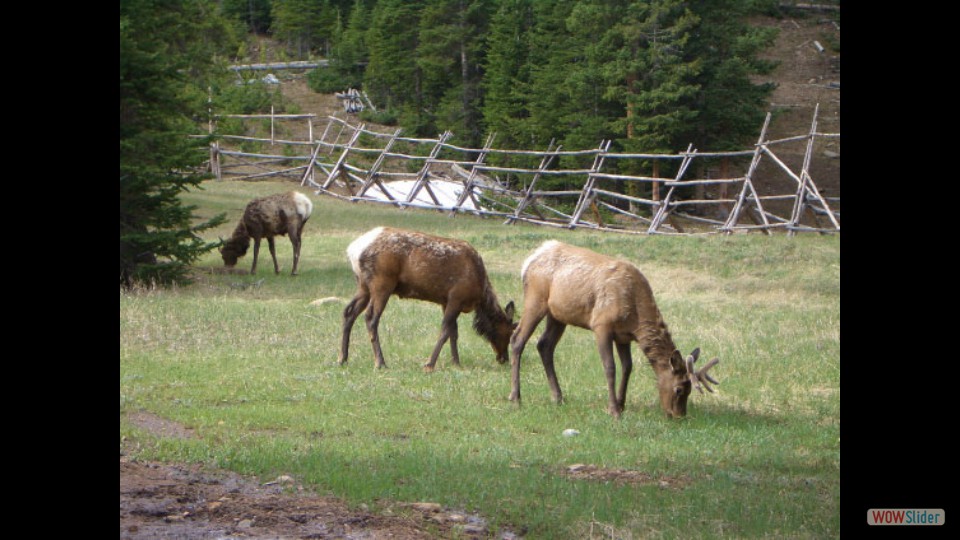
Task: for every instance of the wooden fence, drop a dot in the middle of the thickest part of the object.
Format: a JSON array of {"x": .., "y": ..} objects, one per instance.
[{"x": 354, "y": 163}]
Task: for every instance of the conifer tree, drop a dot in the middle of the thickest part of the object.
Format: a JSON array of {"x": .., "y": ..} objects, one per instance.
[
  {"x": 392, "y": 77},
  {"x": 730, "y": 106},
  {"x": 449, "y": 56},
  {"x": 165, "y": 48},
  {"x": 305, "y": 25},
  {"x": 507, "y": 72},
  {"x": 650, "y": 75},
  {"x": 255, "y": 14}
]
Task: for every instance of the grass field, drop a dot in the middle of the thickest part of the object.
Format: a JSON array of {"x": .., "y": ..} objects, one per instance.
[{"x": 250, "y": 367}]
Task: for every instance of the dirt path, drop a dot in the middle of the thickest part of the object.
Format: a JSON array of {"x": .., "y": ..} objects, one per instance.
[
  {"x": 162, "y": 500},
  {"x": 179, "y": 501}
]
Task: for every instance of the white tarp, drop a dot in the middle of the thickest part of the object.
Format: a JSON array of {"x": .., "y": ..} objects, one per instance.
[{"x": 447, "y": 193}]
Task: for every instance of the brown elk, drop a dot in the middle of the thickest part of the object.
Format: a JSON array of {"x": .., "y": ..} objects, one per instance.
[
  {"x": 415, "y": 265},
  {"x": 266, "y": 217},
  {"x": 571, "y": 285}
]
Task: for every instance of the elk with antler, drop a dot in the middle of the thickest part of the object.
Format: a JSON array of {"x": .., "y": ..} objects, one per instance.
[{"x": 571, "y": 285}]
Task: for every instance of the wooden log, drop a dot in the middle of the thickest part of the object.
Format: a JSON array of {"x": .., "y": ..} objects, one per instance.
[
  {"x": 280, "y": 66},
  {"x": 265, "y": 116},
  {"x": 531, "y": 189}
]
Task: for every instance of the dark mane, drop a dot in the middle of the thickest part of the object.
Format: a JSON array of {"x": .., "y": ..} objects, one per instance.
[{"x": 489, "y": 316}]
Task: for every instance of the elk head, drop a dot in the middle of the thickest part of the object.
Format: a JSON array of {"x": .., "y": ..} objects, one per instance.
[
  {"x": 678, "y": 382},
  {"x": 502, "y": 331},
  {"x": 700, "y": 378}
]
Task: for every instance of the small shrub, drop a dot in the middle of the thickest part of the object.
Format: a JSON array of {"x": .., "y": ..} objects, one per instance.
[
  {"x": 386, "y": 117},
  {"x": 333, "y": 79}
]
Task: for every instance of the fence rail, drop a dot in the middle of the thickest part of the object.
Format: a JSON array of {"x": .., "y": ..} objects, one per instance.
[{"x": 352, "y": 162}]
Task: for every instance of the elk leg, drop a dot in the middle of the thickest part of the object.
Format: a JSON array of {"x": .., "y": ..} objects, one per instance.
[
  {"x": 374, "y": 311},
  {"x": 448, "y": 331},
  {"x": 626, "y": 362},
  {"x": 350, "y": 314},
  {"x": 295, "y": 240},
  {"x": 256, "y": 253},
  {"x": 605, "y": 345},
  {"x": 532, "y": 315},
  {"x": 545, "y": 346},
  {"x": 273, "y": 253}
]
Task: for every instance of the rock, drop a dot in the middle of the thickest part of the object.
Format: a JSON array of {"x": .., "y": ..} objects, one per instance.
[
  {"x": 282, "y": 480},
  {"x": 472, "y": 530},
  {"x": 570, "y": 433},
  {"x": 426, "y": 507}
]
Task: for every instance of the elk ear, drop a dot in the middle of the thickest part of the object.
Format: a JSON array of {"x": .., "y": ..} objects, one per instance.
[
  {"x": 676, "y": 362},
  {"x": 510, "y": 310}
]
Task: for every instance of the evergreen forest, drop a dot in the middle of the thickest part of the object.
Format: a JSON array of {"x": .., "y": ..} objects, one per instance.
[{"x": 651, "y": 76}]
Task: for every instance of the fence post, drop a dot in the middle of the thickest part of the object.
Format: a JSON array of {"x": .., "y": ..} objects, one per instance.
[
  {"x": 738, "y": 206},
  {"x": 663, "y": 210},
  {"x": 375, "y": 168},
  {"x": 528, "y": 195},
  {"x": 468, "y": 183},
  {"x": 343, "y": 157},
  {"x": 807, "y": 187},
  {"x": 587, "y": 195},
  {"x": 422, "y": 181}
]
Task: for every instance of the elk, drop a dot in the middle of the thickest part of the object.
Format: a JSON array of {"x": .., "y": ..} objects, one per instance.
[
  {"x": 570, "y": 285},
  {"x": 266, "y": 217},
  {"x": 443, "y": 271}
]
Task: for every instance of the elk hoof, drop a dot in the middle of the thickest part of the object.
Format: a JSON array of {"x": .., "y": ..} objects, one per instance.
[{"x": 428, "y": 368}]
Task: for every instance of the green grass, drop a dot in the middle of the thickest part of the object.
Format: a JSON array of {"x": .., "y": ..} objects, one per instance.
[{"x": 253, "y": 372}]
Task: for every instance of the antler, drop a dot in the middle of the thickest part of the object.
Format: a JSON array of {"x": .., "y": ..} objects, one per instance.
[{"x": 700, "y": 378}]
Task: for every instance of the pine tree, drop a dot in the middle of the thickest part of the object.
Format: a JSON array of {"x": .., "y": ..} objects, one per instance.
[
  {"x": 164, "y": 46},
  {"x": 305, "y": 25},
  {"x": 449, "y": 56},
  {"x": 354, "y": 35},
  {"x": 393, "y": 78},
  {"x": 651, "y": 77},
  {"x": 255, "y": 14},
  {"x": 507, "y": 72},
  {"x": 730, "y": 106}
]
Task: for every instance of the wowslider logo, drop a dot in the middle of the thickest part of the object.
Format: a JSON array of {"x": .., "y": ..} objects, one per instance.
[{"x": 902, "y": 516}]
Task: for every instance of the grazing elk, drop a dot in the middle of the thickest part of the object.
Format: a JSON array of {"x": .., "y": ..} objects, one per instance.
[
  {"x": 440, "y": 270},
  {"x": 266, "y": 217},
  {"x": 571, "y": 285}
]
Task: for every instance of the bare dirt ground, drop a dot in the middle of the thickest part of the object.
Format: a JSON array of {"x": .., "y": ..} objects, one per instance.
[
  {"x": 164, "y": 501},
  {"x": 190, "y": 501},
  {"x": 167, "y": 501}
]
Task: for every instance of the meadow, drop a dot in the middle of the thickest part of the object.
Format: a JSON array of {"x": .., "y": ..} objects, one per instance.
[{"x": 249, "y": 365}]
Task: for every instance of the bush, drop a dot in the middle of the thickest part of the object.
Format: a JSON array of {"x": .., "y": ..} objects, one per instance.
[
  {"x": 253, "y": 97},
  {"x": 333, "y": 79},
  {"x": 386, "y": 117}
]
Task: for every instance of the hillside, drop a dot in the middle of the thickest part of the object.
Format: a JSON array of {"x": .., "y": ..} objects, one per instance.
[{"x": 806, "y": 78}]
